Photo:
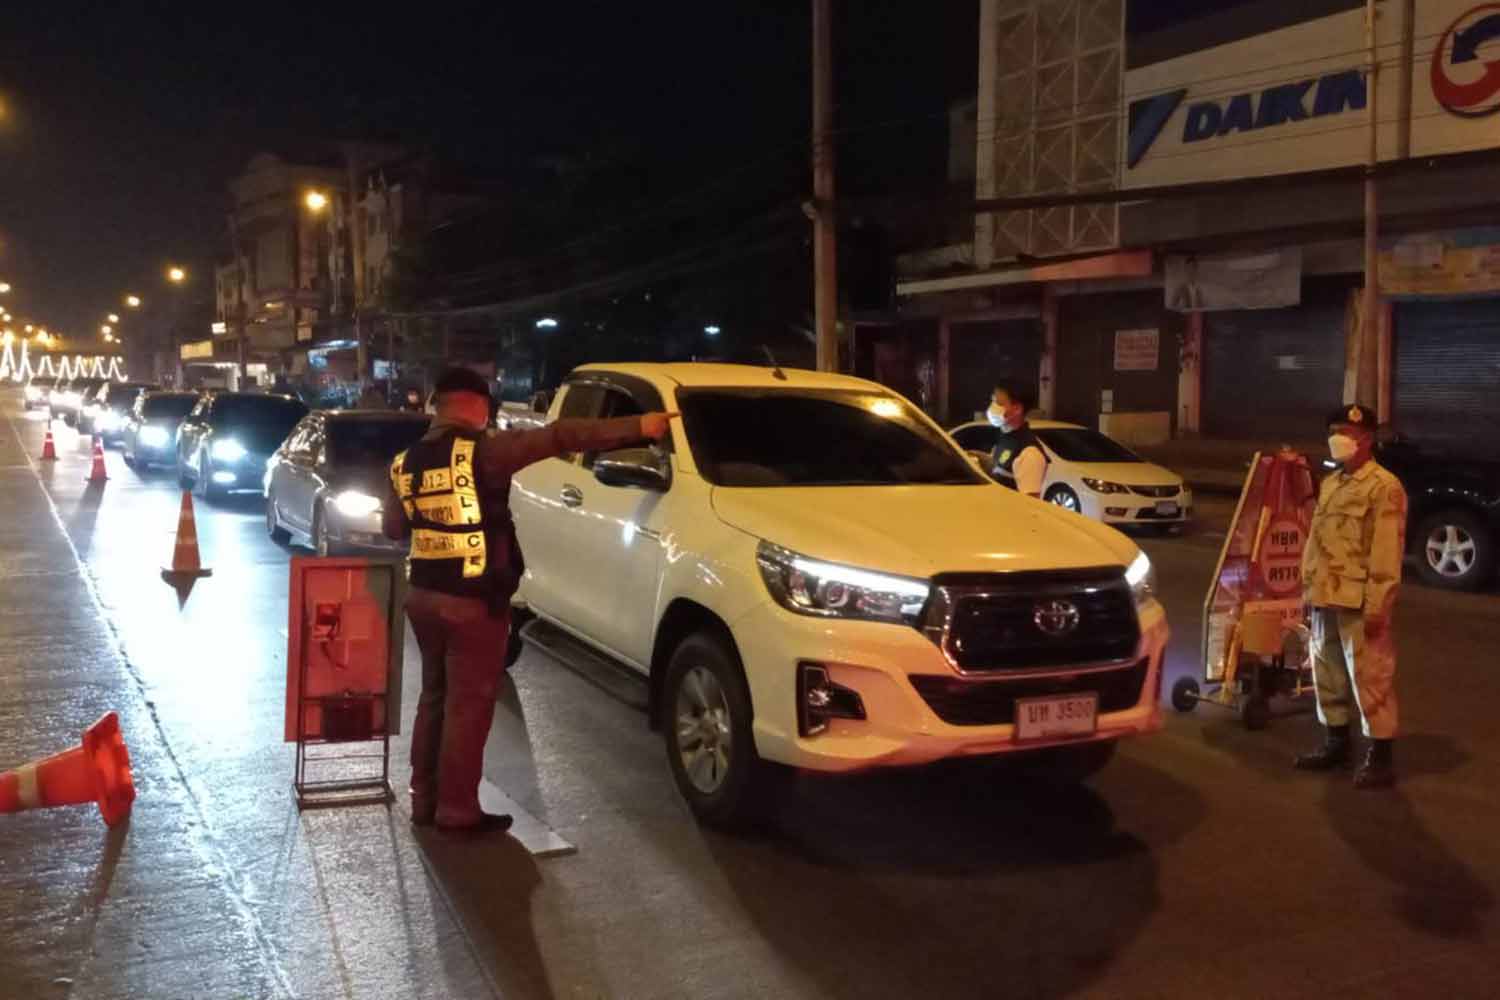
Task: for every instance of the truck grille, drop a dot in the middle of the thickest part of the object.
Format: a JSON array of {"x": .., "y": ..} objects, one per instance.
[
  {"x": 1160, "y": 492},
  {"x": 995, "y": 622},
  {"x": 961, "y": 702}
]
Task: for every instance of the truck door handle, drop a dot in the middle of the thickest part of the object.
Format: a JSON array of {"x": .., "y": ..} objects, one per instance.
[{"x": 572, "y": 496}]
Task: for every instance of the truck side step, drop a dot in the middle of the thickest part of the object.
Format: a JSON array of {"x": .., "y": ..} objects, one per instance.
[{"x": 614, "y": 679}]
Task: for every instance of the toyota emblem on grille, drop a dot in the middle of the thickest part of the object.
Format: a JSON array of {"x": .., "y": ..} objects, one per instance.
[{"x": 1056, "y": 617}]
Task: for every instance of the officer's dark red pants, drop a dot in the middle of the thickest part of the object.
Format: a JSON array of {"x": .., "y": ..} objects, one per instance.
[{"x": 463, "y": 661}]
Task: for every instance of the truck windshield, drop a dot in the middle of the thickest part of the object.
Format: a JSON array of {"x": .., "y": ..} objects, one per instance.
[{"x": 758, "y": 438}]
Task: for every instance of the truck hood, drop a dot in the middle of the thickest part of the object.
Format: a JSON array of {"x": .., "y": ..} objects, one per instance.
[{"x": 921, "y": 531}]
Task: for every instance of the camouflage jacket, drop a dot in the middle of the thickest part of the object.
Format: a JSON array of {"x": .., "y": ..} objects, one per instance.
[{"x": 1357, "y": 540}]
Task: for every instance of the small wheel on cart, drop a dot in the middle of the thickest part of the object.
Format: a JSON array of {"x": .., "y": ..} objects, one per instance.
[
  {"x": 1256, "y": 713},
  {"x": 1185, "y": 694}
]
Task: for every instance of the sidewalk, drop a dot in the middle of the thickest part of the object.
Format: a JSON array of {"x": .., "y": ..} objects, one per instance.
[
  {"x": 1217, "y": 466},
  {"x": 216, "y": 886}
]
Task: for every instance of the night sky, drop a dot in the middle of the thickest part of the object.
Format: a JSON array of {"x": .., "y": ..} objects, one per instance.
[{"x": 123, "y": 128}]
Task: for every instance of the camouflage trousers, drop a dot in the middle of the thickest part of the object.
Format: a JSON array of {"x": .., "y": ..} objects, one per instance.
[{"x": 1352, "y": 672}]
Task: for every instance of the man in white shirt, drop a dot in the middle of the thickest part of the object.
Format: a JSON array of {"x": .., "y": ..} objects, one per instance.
[{"x": 1020, "y": 462}]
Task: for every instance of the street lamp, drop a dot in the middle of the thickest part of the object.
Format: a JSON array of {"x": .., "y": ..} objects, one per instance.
[
  {"x": 106, "y": 329},
  {"x": 28, "y": 327},
  {"x": 546, "y": 323},
  {"x": 113, "y": 317},
  {"x": 133, "y": 301},
  {"x": 4, "y": 288},
  {"x": 315, "y": 201},
  {"x": 176, "y": 275},
  {"x": 712, "y": 331}
]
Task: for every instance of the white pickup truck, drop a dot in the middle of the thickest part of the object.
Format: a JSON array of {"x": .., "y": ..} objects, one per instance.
[{"x": 809, "y": 573}]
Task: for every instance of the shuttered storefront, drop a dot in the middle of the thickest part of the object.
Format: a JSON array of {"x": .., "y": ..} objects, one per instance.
[
  {"x": 1447, "y": 376},
  {"x": 1086, "y": 357},
  {"x": 1275, "y": 373},
  {"x": 984, "y": 353}
]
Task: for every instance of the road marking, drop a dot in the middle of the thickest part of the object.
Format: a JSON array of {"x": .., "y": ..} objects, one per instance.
[{"x": 537, "y": 837}]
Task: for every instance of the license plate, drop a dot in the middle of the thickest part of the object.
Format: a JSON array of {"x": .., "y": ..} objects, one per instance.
[
  {"x": 1050, "y": 718},
  {"x": 1168, "y": 508}
]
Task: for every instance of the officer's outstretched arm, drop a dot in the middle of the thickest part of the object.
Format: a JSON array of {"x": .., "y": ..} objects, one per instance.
[{"x": 503, "y": 455}]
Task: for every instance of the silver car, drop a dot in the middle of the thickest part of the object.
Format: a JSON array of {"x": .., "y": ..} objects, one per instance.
[{"x": 327, "y": 483}]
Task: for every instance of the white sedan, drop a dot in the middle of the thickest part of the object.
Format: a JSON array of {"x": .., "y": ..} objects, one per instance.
[{"x": 1094, "y": 475}]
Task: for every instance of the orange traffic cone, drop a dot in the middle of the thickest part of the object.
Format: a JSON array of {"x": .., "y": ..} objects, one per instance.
[
  {"x": 186, "y": 569},
  {"x": 97, "y": 770},
  {"x": 49, "y": 447},
  {"x": 97, "y": 473}
]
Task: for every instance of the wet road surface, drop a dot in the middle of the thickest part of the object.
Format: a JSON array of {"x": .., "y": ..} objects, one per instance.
[{"x": 1197, "y": 864}]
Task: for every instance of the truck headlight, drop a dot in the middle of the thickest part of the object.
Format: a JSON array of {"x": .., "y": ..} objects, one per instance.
[
  {"x": 353, "y": 503},
  {"x": 228, "y": 450},
  {"x": 830, "y": 590},
  {"x": 1142, "y": 579},
  {"x": 1104, "y": 486}
]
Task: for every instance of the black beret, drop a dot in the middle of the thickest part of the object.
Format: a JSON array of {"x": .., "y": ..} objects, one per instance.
[
  {"x": 457, "y": 379},
  {"x": 1354, "y": 416}
]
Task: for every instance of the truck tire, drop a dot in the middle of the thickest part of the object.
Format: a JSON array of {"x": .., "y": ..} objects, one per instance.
[{"x": 707, "y": 719}]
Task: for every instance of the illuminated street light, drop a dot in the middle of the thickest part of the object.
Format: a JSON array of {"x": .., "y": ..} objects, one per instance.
[
  {"x": 133, "y": 301},
  {"x": 106, "y": 329},
  {"x": 4, "y": 288},
  {"x": 712, "y": 331},
  {"x": 28, "y": 327},
  {"x": 113, "y": 317},
  {"x": 546, "y": 323},
  {"x": 176, "y": 275},
  {"x": 315, "y": 201}
]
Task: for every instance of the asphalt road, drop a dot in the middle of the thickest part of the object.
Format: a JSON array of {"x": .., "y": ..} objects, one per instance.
[{"x": 1198, "y": 864}]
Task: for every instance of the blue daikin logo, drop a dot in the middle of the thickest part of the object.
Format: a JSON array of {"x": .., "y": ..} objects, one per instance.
[{"x": 1317, "y": 97}]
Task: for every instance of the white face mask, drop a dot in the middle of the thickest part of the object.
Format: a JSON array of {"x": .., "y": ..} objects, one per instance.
[
  {"x": 1342, "y": 447},
  {"x": 996, "y": 417}
]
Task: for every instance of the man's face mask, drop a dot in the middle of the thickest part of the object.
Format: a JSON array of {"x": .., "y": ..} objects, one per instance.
[
  {"x": 997, "y": 418},
  {"x": 1342, "y": 447}
]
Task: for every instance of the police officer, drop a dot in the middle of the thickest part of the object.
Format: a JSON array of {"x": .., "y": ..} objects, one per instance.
[
  {"x": 450, "y": 494},
  {"x": 1019, "y": 460},
  {"x": 1351, "y": 570}
]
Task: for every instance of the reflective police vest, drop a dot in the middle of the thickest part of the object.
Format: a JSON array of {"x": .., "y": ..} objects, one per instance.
[
  {"x": 1010, "y": 444},
  {"x": 438, "y": 486}
]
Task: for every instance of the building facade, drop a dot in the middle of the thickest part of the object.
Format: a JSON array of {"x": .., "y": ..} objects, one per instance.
[{"x": 1223, "y": 225}]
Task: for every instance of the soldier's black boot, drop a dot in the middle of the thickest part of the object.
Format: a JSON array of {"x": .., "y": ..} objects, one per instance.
[
  {"x": 1334, "y": 752},
  {"x": 1379, "y": 768}
]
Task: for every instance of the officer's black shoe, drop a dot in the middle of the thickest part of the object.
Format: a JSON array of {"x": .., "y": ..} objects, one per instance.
[
  {"x": 1379, "y": 768},
  {"x": 1334, "y": 753},
  {"x": 487, "y": 823}
]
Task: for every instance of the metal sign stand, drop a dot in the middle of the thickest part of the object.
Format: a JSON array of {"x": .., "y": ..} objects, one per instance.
[
  {"x": 346, "y": 722},
  {"x": 1261, "y": 649}
]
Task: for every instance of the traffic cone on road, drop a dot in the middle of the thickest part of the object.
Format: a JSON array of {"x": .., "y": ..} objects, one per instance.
[
  {"x": 97, "y": 473},
  {"x": 186, "y": 568},
  {"x": 49, "y": 447},
  {"x": 97, "y": 770}
]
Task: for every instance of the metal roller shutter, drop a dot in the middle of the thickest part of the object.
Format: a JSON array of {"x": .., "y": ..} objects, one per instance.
[
  {"x": 1447, "y": 377},
  {"x": 1274, "y": 373},
  {"x": 987, "y": 352}
]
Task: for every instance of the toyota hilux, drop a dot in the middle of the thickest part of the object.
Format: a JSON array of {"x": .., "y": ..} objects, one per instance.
[{"x": 809, "y": 574}]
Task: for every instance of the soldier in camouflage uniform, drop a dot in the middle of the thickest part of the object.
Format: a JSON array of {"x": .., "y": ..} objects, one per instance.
[{"x": 1351, "y": 570}]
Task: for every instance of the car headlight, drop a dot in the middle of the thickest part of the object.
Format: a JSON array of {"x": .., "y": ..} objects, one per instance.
[
  {"x": 107, "y": 420},
  {"x": 153, "y": 437},
  {"x": 353, "y": 503},
  {"x": 1104, "y": 486},
  {"x": 829, "y": 590},
  {"x": 1142, "y": 579},
  {"x": 228, "y": 450}
]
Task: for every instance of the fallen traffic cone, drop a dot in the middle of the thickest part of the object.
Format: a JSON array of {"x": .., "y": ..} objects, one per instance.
[
  {"x": 97, "y": 770},
  {"x": 97, "y": 473},
  {"x": 49, "y": 447},
  {"x": 186, "y": 568}
]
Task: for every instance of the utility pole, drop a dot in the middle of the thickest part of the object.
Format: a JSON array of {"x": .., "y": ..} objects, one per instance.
[
  {"x": 1367, "y": 374},
  {"x": 825, "y": 247}
]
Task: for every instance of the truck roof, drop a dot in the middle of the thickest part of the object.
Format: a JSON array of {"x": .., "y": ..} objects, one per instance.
[{"x": 713, "y": 374}]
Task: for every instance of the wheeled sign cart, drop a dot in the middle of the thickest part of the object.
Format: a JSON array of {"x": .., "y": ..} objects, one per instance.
[{"x": 1255, "y": 640}]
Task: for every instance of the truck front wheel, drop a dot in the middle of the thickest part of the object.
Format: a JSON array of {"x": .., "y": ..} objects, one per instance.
[{"x": 710, "y": 747}]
